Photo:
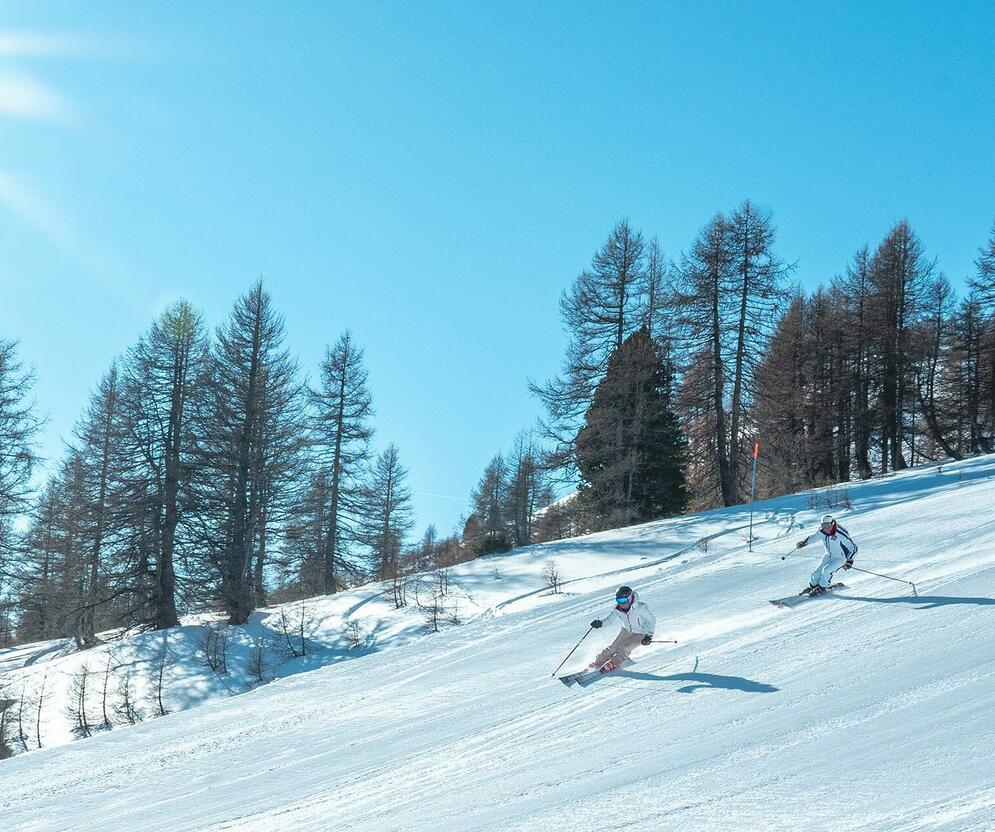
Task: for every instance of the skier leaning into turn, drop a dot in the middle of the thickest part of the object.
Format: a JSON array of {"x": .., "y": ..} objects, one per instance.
[
  {"x": 638, "y": 624},
  {"x": 840, "y": 551}
]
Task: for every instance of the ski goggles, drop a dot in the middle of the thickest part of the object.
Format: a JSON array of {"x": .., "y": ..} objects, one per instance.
[{"x": 622, "y": 601}]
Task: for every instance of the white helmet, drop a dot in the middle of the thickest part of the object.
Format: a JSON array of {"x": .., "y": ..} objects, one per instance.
[{"x": 827, "y": 521}]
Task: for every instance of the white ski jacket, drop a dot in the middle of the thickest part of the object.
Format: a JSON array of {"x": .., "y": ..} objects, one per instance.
[
  {"x": 839, "y": 545},
  {"x": 639, "y": 620}
]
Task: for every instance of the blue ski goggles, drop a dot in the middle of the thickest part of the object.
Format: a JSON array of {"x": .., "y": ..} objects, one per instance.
[{"x": 622, "y": 601}]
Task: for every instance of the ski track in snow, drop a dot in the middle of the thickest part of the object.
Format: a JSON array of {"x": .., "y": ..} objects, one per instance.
[{"x": 869, "y": 710}]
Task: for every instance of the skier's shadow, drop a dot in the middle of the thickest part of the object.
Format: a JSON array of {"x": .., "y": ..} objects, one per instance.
[
  {"x": 928, "y": 602},
  {"x": 703, "y": 681}
]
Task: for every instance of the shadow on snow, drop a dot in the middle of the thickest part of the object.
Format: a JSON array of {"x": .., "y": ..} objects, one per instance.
[
  {"x": 703, "y": 681},
  {"x": 927, "y": 602}
]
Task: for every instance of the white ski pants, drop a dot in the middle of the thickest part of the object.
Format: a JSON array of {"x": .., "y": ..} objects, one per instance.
[
  {"x": 824, "y": 571},
  {"x": 619, "y": 650}
]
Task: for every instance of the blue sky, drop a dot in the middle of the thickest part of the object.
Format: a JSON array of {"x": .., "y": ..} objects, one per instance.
[{"x": 433, "y": 175}]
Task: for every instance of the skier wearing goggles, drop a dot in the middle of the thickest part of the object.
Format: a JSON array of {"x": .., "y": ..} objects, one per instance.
[
  {"x": 840, "y": 551},
  {"x": 638, "y": 624}
]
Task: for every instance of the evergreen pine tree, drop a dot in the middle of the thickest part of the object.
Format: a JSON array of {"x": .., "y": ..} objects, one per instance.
[
  {"x": 387, "y": 514},
  {"x": 605, "y": 304},
  {"x": 489, "y": 524},
  {"x": 341, "y": 411},
  {"x": 18, "y": 427},
  {"x": 252, "y": 439},
  {"x": 631, "y": 452}
]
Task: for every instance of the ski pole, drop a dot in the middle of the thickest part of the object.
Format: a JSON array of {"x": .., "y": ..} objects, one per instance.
[
  {"x": 572, "y": 651},
  {"x": 795, "y": 554},
  {"x": 875, "y": 574},
  {"x": 879, "y": 575}
]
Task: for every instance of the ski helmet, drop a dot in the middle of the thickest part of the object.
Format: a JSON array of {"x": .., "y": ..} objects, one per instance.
[
  {"x": 624, "y": 595},
  {"x": 827, "y": 521}
]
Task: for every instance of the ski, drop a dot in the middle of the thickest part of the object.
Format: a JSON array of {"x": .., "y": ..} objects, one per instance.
[{"x": 793, "y": 601}]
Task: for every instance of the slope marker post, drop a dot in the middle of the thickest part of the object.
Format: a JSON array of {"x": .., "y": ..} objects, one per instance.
[{"x": 753, "y": 489}]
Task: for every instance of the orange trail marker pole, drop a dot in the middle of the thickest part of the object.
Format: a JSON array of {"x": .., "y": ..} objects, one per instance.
[{"x": 753, "y": 489}]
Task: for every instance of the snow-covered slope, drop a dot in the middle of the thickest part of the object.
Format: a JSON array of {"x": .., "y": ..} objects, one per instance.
[{"x": 869, "y": 709}]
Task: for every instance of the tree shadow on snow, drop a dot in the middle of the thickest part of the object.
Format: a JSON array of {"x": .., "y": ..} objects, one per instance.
[
  {"x": 703, "y": 681},
  {"x": 927, "y": 602}
]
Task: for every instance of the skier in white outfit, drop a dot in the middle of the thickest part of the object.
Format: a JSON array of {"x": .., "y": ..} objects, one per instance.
[
  {"x": 638, "y": 624},
  {"x": 840, "y": 551}
]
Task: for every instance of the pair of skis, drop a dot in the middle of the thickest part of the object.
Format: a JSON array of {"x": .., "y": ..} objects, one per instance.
[
  {"x": 585, "y": 677},
  {"x": 793, "y": 601}
]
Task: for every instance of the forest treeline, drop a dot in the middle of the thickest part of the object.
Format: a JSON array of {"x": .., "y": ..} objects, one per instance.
[
  {"x": 204, "y": 473},
  {"x": 676, "y": 367},
  {"x": 207, "y": 472}
]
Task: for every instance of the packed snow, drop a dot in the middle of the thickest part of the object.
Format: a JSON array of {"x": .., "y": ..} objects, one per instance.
[{"x": 865, "y": 709}]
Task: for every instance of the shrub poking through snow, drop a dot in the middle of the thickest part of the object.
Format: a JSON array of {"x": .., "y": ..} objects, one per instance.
[
  {"x": 106, "y": 723},
  {"x": 40, "y": 707},
  {"x": 155, "y": 693},
  {"x": 355, "y": 635},
  {"x": 214, "y": 647},
  {"x": 7, "y": 715},
  {"x": 126, "y": 708},
  {"x": 76, "y": 709},
  {"x": 296, "y": 629},
  {"x": 433, "y": 602},
  {"x": 258, "y": 663},
  {"x": 551, "y": 577}
]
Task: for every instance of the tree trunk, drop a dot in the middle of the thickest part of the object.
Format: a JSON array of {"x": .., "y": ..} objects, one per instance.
[
  {"x": 238, "y": 597},
  {"x": 718, "y": 391},
  {"x": 332, "y": 541},
  {"x": 737, "y": 384},
  {"x": 165, "y": 575}
]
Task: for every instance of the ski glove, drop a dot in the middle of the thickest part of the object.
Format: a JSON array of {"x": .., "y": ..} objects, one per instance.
[
  {"x": 646, "y": 640},
  {"x": 596, "y": 624},
  {"x": 848, "y": 564},
  {"x": 801, "y": 543}
]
